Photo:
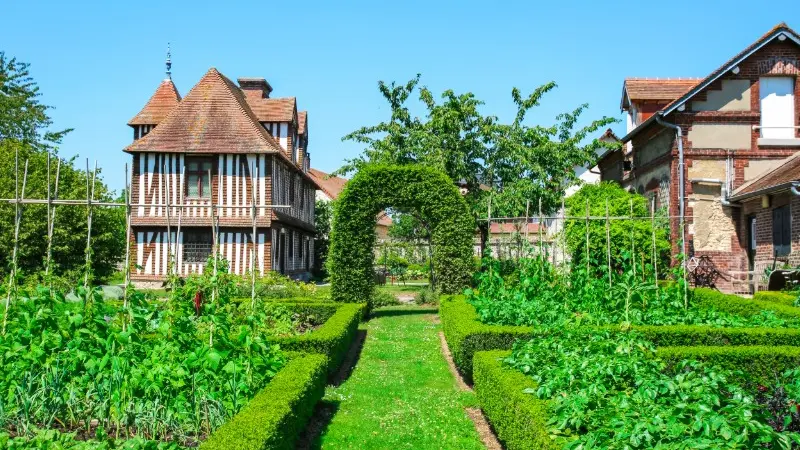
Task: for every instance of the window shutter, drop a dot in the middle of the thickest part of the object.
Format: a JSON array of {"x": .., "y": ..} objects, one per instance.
[
  {"x": 786, "y": 223},
  {"x": 777, "y": 230}
]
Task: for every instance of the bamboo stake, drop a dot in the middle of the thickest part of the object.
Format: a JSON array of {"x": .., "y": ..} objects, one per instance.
[
  {"x": 587, "y": 237},
  {"x": 51, "y": 220},
  {"x": 633, "y": 245},
  {"x": 89, "y": 200},
  {"x": 539, "y": 228},
  {"x": 654, "y": 255},
  {"x": 527, "y": 221},
  {"x": 127, "y": 246},
  {"x": 12, "y": 283},
  {"x": 563, "y": 233},
  {"x": 178, "y": 238},
  {"x": 170, "y": 264},
  {"x": 608, "y": 245},
  {"x": 214, "y": 231},
  {"x": 253, "y": 250}
]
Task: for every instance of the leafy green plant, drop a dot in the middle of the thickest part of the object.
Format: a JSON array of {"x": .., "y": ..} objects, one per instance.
[
  {"x": 427, "y": 296},
  {"x": 383, "y": 298}
]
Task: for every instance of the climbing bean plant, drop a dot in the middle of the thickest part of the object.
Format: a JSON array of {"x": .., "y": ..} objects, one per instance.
[{"x": 428, "y": 192}]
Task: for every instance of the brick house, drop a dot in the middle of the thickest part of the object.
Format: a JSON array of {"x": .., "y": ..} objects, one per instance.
[
  {"x": 218, "y": 150},
  {"x": 692, "y": 142}
]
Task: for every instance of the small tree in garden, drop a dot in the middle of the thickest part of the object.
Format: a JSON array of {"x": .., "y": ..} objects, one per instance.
[
  {"x": 427, "y": 191},
  {"x": 516, "y": 160},
  {"x": 625, "y": 235}
]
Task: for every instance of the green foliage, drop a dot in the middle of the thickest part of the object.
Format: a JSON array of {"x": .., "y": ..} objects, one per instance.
[
  {"x": 382, "y": 298},
  {"x": 623, "y": 399},
  {"x": 408, "y": 228},
  {"x": 333, "y": 338},
  {"x": 276, "y": 416},
  {"x": 323, "y": 214},
  {"x": 516, "y": 160},
  {"x": 26, "y": 128},
  {"x": 466, "y": 335},
  {"x": 518, "y": 418},
  {"x": 538, "y": 294},
  {"x": 783, "y": 298},
  {"x": 619, "y": 201},
  {"x": 172, "y": 370},
  {"x": 427, "y": 296},
  {"x": 373, "y": 189}
]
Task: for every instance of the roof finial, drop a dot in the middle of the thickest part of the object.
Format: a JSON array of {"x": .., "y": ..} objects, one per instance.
[{"x": 169, "y": 63}]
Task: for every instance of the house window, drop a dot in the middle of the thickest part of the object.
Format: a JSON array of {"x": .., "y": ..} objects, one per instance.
[
  {"x": 291, "y": 188},
  {"x": 777, "y": 107},
  {"x": 782, "y": 231},
  {"x": 198, "y": 178},
  {"x": 196, "y": 246}
]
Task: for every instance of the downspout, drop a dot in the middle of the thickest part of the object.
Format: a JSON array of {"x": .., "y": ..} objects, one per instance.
[
  {"x": 681, "y": 179},
  {"x": 795, "y": 188}
]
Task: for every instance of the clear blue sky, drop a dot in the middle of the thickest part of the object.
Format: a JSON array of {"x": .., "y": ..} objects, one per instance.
[{"x": 97, "y": 63}]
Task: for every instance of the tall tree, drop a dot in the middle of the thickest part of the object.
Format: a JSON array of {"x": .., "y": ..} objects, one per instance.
[
  {"x": 25, "y": 130},
  {"x": 506, "y": 164}
]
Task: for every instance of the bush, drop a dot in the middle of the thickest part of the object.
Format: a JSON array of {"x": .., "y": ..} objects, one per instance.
[
  {"x": 783, "y": 298},
  {"x": 275, "y": 417},
  {"x": 519, "y": 418},
  {"x": 427, "y": 296},
  {"x": 333, "y": 338},
  {"x": 740, "y": 305},
  {"x": 382, "y": 298},
  {"x": 431, "y": 193}
]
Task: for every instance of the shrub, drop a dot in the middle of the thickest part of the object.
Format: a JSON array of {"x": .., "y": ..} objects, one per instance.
[
  {"x": 383, "y": 298},
  {"x": 427, "y": 296},
  {"x": 741, "y": 306},
  {"x": 520, "y": 419},
  {"x": 783, "y": 298},
  {"x": 275, "y": 417},
  {"x": 333, "y": 338},
  {"x": 431, "y": 193}
]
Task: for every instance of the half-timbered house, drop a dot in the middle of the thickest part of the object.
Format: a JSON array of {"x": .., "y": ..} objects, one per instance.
[{"x": 226, "y": 153}]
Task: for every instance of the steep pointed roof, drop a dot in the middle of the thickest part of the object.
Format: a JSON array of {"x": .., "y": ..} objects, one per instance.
[
  {"x": 302, "y": 119},
  {"x": 213, "y": 117},
  {"x": 158, "y": 107}
]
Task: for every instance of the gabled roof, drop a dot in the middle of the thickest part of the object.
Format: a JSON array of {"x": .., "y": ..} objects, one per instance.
[
  {"x": 665, "y": 89},
  {"x": 776, "y": 178},
  {"x": 774, "y": 33},
  {"x": 331, "y": 185},
  {"x": 213, "y": 117},
  {"x": 273, "y": 109},
  {"x": 302, "y": 118},
  {"x": 158, "y": 107}
]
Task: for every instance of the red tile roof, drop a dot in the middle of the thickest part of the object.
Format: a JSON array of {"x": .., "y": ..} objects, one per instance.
[
  {"x": 302, "y": 118},
  {"x": 158, "y": 107},
  {"x": 273, "y": 109},
  {"x": 331, "y": 185},
  {"x": 657, "y": 88},
  {"x": 779, "y": 177},
  {"x": 213, "y": 116},
  {"x": 384, "y": 220},
  {"x": 510, "y": 227}
]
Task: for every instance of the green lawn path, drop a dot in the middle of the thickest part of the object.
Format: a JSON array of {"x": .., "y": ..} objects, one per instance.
[{"x": 401, "y": 394}]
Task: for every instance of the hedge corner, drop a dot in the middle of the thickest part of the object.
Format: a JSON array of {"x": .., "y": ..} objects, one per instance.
[{"x": 276, "y": 416}]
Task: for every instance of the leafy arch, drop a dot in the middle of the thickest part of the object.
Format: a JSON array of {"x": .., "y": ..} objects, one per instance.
[{"x": 374, "y": 188}]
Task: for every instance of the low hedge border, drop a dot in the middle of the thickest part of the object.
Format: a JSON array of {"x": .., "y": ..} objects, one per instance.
[
  {"x": 333, "y": 338},
  {"x": 759, "y": 364},
  {"x": 782, "y": 298},
  {"x": 740, "y": 305},
  {"x": 466, "y": 335},
  {"x": 275, "y": 417},
  {"x": 519, "y": 419}
]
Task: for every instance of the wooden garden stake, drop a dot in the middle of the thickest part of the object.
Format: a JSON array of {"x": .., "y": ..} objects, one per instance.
[
  {"x": 89, "y": 200},
  {"x": 633, "y": 247},
  {"x": 653, "y": 232},
  {"x": 608, "y": 244},
  {"x": 527, "y": 222},
  {"x": 178, "y": 238},
  {"x": 127, "y": 246},
  {"x": 539, "y": 227},
  {"x": 215, "y": 249},
  {"x": 563, "y": 232},
  {"x": 51, "y": 219},
  {"x": 253, "y": 250},
  {"x": 587, "y": 237},
  {"x": 12, "y": 283},
  {"x": 169, "y": 225}
]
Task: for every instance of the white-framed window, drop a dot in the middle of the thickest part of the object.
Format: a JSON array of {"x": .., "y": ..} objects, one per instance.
[{"x": 777, "y": 107}]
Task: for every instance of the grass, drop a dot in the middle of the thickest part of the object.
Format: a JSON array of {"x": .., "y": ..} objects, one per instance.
[{"x": 401, "y": 393}]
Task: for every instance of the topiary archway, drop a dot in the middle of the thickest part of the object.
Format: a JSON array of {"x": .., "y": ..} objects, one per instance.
[{"x": 428, "y": 191}]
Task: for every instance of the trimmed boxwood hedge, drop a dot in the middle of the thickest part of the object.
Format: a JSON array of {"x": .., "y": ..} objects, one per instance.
[
  {"x": 333, "y": 338},
  {"x": 518, "y": 418},
  {"x": 466, "y": 334},
  {"x": 274, "y": 418},
  {"x": 782, "y": 298},
  {"x": 760, "y": 364},
  {"x": 425, "y": 190}
]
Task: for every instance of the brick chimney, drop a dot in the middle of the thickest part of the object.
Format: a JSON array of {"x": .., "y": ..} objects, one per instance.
[{"x": 255, "y": 88}]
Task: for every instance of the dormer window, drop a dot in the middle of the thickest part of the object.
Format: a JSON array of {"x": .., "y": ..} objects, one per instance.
[{"x": 140, "y": 131}]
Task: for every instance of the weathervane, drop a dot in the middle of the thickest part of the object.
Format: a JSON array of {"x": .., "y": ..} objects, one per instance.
[{"x": 169, "y": 62}]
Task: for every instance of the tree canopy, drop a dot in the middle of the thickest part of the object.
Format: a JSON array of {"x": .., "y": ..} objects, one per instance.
[
  {"x": 25, "y": 130},
  {"x": 513, "y": 161}
]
